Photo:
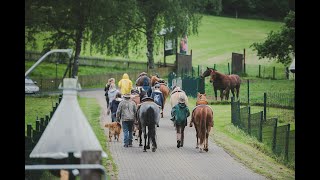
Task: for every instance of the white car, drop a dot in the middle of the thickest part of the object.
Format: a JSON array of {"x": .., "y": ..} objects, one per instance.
[{"x": 30, "y": 86}]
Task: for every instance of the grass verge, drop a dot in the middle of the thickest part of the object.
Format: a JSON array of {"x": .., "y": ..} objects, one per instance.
[{"x": 91, "y": 109}]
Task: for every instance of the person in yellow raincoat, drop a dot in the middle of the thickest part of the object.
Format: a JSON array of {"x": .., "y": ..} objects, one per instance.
[{"x": 125, "y": 84}]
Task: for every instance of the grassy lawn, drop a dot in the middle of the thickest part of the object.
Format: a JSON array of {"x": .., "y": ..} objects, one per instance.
[
  {"x": 41, "y": 106},
  {"x": 218, "y": 37},
  {"x": 244, "y": 148},
  {"x": 91, "y": 109},
  {"x": 38, "y": 106}
]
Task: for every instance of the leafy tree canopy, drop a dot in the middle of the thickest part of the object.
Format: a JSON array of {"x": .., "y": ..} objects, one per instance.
[{"x": 279, "y": 45}]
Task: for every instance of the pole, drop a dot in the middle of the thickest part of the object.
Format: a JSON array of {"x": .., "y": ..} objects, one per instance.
[
  {"x": 69, "y": 51},
  {"x": 248, "y": 91},
  {"x": 56, "y": 74},
  {"x": 244, "y": 60}
]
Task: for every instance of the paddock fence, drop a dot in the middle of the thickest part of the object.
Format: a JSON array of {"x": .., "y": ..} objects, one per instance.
[{"x": 278, "y": 138}]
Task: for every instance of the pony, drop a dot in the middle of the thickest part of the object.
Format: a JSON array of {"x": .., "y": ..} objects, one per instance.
[
  {"x": 149, "y": 116},
  {"x": 216, "y": 84},
  {"x": 144, "y": 82},
  {"x": 174, "y": 96},
  {"x": 228, "y": 82},
  {"x": 202, "y": 117},
  {"x": 163, "y": 88}
]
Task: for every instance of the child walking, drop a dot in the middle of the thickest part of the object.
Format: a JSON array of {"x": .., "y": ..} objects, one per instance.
[{"x": 179, "y": 114}]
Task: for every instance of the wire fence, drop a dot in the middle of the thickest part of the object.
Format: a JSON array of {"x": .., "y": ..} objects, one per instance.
[{"x": 278, "y": 138}]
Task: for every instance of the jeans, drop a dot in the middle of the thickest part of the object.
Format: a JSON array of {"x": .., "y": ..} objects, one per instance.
[
  {"x": 113, "y": 117},
  {"x": 127, "y": 127}
]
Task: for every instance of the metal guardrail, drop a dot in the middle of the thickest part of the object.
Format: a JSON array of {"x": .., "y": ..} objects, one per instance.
[{"x": 67, "y": 166}]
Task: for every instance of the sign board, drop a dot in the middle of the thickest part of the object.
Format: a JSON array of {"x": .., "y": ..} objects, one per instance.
[{"x": 169, "y": 48}]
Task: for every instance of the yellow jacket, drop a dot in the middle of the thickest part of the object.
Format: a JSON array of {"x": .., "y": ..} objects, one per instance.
[{"x": 125, "y": 84}]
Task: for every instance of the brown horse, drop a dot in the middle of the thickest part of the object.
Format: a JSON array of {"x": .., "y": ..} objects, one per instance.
[
  {"x": 202, "y": 117},
  {"x": 163, "y": 88},
  {"x": 228, "y": 82},
  {"x": 216, "y": 84}
]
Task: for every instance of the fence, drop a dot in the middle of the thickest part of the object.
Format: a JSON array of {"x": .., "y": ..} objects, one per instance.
[
  {"x": 31, "y": 139},
  {"x": 98, "y": 80},
  {"x": 279, "y": 138},
  {"x": 260, "y": 71}
]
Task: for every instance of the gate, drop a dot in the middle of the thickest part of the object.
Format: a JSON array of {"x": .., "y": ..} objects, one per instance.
[
  {"x": 189, "y": 84},
  {"x": 236, "y": 64}
]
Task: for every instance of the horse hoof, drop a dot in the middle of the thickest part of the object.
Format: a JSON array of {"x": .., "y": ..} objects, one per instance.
[
  {"x": 148, "y": 147},
  {"x": 140, "y": 144},
  {"x": 154, "y": 149},
  {"x": 206, "y": 150},
  {"x": 197, "y": 147},
  {"x": 144, "y": 150},
  {"x": 190, "y": 125}
]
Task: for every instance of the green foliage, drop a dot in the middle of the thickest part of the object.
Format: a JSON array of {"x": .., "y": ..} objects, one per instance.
[
  {"x": 279, "y": 45},
  {"x": 91, "y": 110},
  {"x": 38, "y": 106}
]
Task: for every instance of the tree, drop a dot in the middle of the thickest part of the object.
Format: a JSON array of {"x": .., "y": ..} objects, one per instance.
[
  {"x": 279, "y": 45},
  {"x": 153, "y": 15},
  {"x": 74, "y": 23}
]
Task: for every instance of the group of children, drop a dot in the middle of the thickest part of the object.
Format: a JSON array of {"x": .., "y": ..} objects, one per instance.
[{"x": 115, "y": 105}]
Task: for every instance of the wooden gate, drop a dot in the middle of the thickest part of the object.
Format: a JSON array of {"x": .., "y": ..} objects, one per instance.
[{"x": 236, "y": 64}]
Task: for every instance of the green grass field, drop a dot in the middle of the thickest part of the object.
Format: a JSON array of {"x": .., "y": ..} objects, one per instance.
[{"x": 218, "y": 37}]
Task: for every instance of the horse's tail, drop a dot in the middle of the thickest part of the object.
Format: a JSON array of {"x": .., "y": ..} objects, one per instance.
[
  {"x": 151, "y": 121},
  {"x": 203, "y": 125}
]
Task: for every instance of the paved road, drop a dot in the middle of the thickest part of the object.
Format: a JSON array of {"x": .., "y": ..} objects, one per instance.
[{"x": 170, "y": 162}]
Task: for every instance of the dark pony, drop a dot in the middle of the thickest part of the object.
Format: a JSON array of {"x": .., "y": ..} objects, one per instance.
[
  {"x": 163, "y": 88},
  {"x": 216, "y": 84},
  {"x": 149, "y": 116},
  {"x": 228, "y": 82},
  {"x": 202, "y": 117}
]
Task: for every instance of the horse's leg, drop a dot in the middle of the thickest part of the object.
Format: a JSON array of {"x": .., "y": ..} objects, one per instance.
[
  {"x": 140, "y": 133},
  {"x": 153, "y": 138},
  {"x": 197, "y": 136},
  {"x": 215, "y": 91},
  {"x": 232, "y": 91},
  {"x": 207, "y": 137},
  {"x": 221, "y": 94},
  {"x": 148, "y": 134},
  {"x": 237, "y": 91},
  {"x": 145, "y": 140}
]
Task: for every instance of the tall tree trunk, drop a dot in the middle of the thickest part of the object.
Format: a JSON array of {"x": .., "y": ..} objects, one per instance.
[
  {"x": 150, "y": 43},
  {"x": 79, "y": 35}
]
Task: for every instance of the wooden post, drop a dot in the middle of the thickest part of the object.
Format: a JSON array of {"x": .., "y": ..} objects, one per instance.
[
  {"x": 260, "y": 126},
  {"x": 244, "y": 60},
  {"x": 198, "y": 70},
  {"x": 265, "y": 106},
  {"x": 259, "y": 71},
  {"x": 29, "y": 130},
  {"x": 274, "y": 72},
  {"x": 274, "y": 139},
  {"x": 229, "y": 68},
  {"x": 248, "y": 92},
  {"x": 287, "y": 142},
  {"x": 91, "y": 157},
  {"x": 249, "y": 120}
]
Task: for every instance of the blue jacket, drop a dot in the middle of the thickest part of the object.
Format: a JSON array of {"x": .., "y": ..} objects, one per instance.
[
  {"x": 157, "y": 96},
  {"x": 114, "y": 105}
]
